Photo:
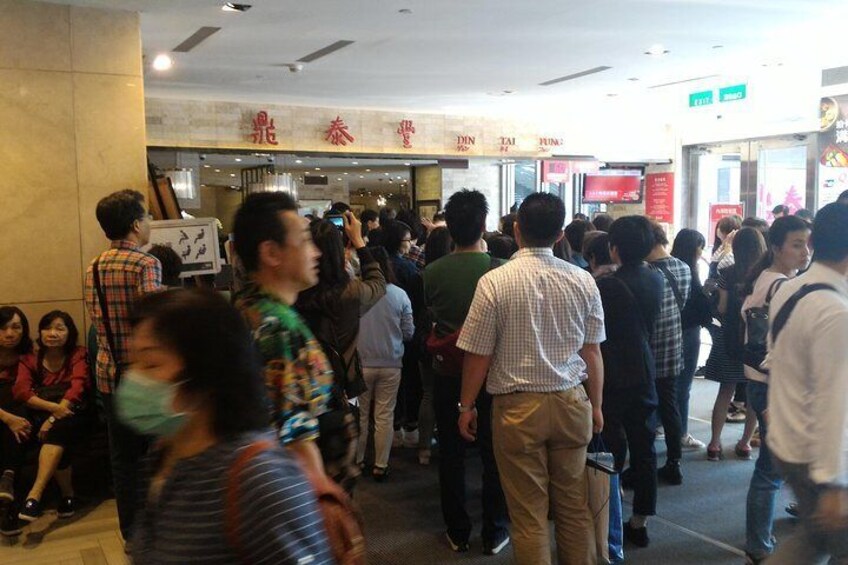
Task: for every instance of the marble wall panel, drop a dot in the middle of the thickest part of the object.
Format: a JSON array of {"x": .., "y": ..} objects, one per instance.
[
  {"x": 105, "y": 42},
  {"x": 34, "y": 35}
]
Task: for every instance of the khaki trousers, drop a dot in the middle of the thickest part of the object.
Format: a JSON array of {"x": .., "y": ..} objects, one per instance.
[{"x": 540, "y": 442}]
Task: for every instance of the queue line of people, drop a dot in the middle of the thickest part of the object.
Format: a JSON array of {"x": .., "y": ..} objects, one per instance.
[{"x": 611, "y": 353}]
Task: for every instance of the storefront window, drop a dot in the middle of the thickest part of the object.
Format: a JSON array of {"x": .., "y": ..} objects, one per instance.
[
  {"x": 781, "y": 179},
  {"x": 525, "y": 180},
  {"x": 719, "y": 182}
]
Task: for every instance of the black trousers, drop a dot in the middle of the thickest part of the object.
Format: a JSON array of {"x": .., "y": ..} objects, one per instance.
[
  {"x": 452, "y": 464},
  {"x": 669, "y": 413},
  {"x": 126, "y": 449},
  {"x": 629, "y": 424},
  {"x": 11, "y": 452},
  {"x": 410, "y": 392}
]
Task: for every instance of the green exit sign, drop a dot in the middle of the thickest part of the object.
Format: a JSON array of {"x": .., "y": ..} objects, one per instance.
[
  {"x": 697, "y": 99},
  {"x": 732, "y": 93}
]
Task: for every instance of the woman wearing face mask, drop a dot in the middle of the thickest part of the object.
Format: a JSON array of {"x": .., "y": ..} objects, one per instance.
[
  {"x": 53, "y": 384},
  {"x": 216, "y": 490},
  {"x": 788, "y": 252},
  {"x": 15, "y": 430}
]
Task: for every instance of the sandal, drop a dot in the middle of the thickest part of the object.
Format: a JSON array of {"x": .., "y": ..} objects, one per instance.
[
  {"x": 743, "y": 451},
  {"x": 380, "y": 473},
  {"x": 714, "y": 453}
]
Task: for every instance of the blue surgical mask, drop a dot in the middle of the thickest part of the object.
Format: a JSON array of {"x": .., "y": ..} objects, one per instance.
[{"x": 147, "y": 405}]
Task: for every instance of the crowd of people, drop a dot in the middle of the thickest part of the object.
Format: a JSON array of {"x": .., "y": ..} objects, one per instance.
[{"x": 226, "y": 420}]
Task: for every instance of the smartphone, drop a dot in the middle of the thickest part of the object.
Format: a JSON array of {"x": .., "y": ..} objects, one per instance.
[{"x": 336, "y": 220}]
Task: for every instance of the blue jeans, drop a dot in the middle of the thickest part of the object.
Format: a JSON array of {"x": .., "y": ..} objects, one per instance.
[
  {"x": 765, "y": 484},
  {"x": 691, "y": 350}
]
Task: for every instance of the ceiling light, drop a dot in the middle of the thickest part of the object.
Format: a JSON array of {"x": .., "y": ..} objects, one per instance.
[
  {"x": 355, "y": 163},
  {"x": 656, "y": 50},
  {"x": 407, "y": 164},
  {"x": 344, "y": 173},
  {"x": 387, "y": 174},
  {"x": 233, "y": 7},
  {"x": 217, "y": 170},
  {"x": 207, "y": 166},
  {"x": 298, "y": 161},
  {"x": 317, "y": 168},
  {"x": 367, "y": 170},
  {"x": 306, "y": 172},
  {"x": 238, "y": 160},
  {"x": 340, "y": 178},
  {"x": 400, "y": 178},
  {"x": 232, "y": 174},
  {"x": 361, "y": 176},
  {"x": 163, "y": 62}
]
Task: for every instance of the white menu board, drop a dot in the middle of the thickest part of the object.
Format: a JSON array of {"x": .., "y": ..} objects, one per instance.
[{"x": 195, "y": 241}]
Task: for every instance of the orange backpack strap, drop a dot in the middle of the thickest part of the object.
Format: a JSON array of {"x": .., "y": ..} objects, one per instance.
[{"x": 232, "y": 517}]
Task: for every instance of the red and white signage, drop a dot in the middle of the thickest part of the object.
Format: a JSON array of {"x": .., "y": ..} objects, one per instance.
[
  {"x": 659, "y": 197},
  {"x": 613, "y": 189},
  {"x": 562, "y": 171},
  {"x": 718, "y": 211}
]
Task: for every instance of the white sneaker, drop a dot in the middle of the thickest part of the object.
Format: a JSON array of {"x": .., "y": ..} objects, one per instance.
[
  {"x": 410, "y": 439},
  {"x": 691, "y": 443},
  {"x": 424, "y": 457},
  {"x": 660, "y": 434}
]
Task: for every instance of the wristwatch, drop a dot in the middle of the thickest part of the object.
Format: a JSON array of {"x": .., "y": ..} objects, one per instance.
[
  {"x": 52, "y": 419},
  {"x": 463, "y": 409}
]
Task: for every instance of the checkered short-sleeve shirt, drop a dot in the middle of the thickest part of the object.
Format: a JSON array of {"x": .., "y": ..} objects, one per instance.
[
  {"x": 667, "y": 337},
  {"x": 533, "y": 315}
]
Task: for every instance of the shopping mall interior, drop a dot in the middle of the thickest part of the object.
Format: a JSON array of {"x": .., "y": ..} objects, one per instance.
[{"x": 684, "y": 111}]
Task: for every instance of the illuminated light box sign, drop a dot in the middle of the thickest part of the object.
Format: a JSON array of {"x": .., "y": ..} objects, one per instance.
[
  {"x": 612, "y": 189},
  {"x": 195, "y": 241}
]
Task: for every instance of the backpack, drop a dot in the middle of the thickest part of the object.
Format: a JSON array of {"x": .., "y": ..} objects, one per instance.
[
  {"x": 342, "y": 523},
  {"x": 757, "y": 328}
]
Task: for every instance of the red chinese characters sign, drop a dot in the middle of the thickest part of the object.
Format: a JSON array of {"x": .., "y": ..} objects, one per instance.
[
  {"x": 405, "y": 130},
  {"x": 718, "y": 211},
  {"x": 659, "y": 197},
  {"x": 338, "y": 133},
  {"x": 264, "y": 130}
]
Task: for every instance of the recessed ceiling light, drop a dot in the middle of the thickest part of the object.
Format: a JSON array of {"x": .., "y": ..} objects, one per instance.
[
  {"x": 344, "y": 173},
  {"x": 387, "y": 174},
  {"x": 298, "y": 161},
  {"x": 163, "y": 62},
  {"x": 656, "y": 50},
  {"x": 238, "y": 160},
  {"x": 233, "y": 7},
  {"x": 367, "y": 170},
  {"x": 217, "y": 170},
  {"x": 232, "y": 174},
  {"x": 407, "y": 164},
  {"x": 340, "y": 178},
  {"x": 355, "y": 162},
  {"x": 306, "y": 173},
  {"x": 361, "y": 176},
  {"x": 207, "y": 166},
  {"x": 400, "y": 178},
  {"x": 317, "y": 168}
]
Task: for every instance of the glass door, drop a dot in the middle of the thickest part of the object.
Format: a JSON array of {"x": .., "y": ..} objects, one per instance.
[
  {"x": 781, "y": 176},
  {"x": 715, "y": 176}
]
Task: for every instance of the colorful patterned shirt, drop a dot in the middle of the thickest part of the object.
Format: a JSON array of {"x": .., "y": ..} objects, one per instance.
[
  {"x": 126, "y": 273},
  {"x": 298, "y": 376}
]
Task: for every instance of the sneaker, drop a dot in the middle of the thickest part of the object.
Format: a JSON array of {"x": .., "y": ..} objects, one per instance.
[
  {"x": 636, "y": 536},
  {"x": 689, "y": 443},
  {"x": 31, "y": 511},
  {"x": 424, "y": 457},
  {"x": 67, "y": 507},
  {"x": 410, "y": 438},
  {"x": 11, "y": 525},
  {"x": 457, "y": 547},
  {"x": 735, "y": 415},
  {"x": 792, "y": 509},
  {"x": 493, "y": 548},
  {"x": 380, "y": 474},
  {"x": 670, "y": 473},
  {"x": 660, "y": 434},
  {"x": 7, "y": 486}
]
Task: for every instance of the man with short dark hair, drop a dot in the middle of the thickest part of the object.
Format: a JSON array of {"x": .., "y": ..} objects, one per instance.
[
  {"x": 532, "y": 336},
  {"x": 667, "y": 344},
  {"x": 370, "y": 221},
  {"x": 449, "y": 285},
  {"x": 276, "y": 248},
  {"x": 780, "y": 211},
  {"x": 808, "y": 395},
  {"x": 125, "y": 273}
]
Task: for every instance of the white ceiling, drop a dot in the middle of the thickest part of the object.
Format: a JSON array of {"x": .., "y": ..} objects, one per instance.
[{"x": 452, "y": 56}]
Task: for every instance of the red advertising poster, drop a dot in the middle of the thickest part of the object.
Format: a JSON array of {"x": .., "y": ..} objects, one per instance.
[
  {"x": 659, "y": 197},
  {"x": 618, "y": 189},
  {"x": 718, "y": 211}
]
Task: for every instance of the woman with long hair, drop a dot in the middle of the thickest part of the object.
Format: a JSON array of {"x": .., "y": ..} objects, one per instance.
[
  {"x": 217, "y": 488},
  {"x": 722, "y": 249},
  {"x": 53, "y": 385},
  {"x": 722, "y": 366},
  {"x": 688, "y": 247},
  {"x": 15, "y": 429},
  {"x": 788, "y": 252}
]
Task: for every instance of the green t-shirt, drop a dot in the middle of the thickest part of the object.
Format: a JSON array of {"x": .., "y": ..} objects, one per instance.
[{"x": 449, "y": 286}]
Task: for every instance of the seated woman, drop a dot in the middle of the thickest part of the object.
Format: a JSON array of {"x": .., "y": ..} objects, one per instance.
[
  {"x": 14, "y": 428},
  {"x": 53, "y": 384},
  {"x": 216, "y": 488}
]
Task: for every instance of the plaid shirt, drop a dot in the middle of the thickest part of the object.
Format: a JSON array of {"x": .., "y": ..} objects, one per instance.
[
  {"x": 533, "y": 315},
  {"x": 667, "y": 338},
  {"x": 418, "y": 256},
  {"x": 125, "y": 274}
]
